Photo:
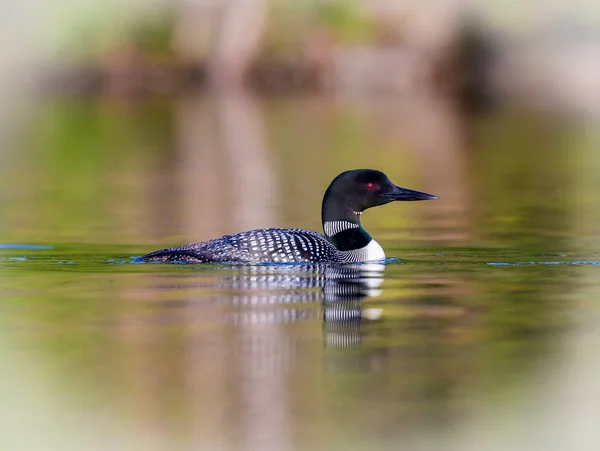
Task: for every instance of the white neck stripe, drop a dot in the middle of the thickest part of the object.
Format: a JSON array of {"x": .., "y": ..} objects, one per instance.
[{"x": 334, "y": 227}]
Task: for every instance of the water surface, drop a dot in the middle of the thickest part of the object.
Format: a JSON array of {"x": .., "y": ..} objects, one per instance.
[{"x": 470, "y": 339}]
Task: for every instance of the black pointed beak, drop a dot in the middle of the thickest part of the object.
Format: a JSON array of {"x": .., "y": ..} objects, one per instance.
[{"x": 399, "y": 193}]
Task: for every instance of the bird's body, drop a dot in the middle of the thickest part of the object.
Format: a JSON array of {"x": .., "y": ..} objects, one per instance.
[
  {"x": 255, "y": 246},
  {"x": 345, "y": 240},
  {"x": 268, "y": 246}
]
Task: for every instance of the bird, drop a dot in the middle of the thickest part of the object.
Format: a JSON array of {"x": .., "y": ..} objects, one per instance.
[{"x": 344, "y": 241}]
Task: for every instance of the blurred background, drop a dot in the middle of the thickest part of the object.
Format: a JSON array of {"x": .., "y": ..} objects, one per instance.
[{"x": 133, "y": 125}]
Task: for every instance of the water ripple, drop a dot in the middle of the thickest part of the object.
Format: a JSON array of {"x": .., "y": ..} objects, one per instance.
[
  {"x": 574, "y": 263},
  {"x": 24, "y": 246}
]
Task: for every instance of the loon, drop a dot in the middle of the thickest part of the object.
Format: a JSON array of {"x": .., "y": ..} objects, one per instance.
[{"x": 345, "y": 240}]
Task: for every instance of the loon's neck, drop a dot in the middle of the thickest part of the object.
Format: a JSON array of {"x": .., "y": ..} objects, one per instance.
[
  {"x": 346, "y": 235},
  {"x": 341, "y": 223},
  {"x": 342, "y": 226}
]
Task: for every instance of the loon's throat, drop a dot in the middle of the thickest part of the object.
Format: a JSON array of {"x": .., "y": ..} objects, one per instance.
[
  {"x": 346, "y": 234},
  {"x": 350, "y": 239},
  {"x": 341, "y": 223}
]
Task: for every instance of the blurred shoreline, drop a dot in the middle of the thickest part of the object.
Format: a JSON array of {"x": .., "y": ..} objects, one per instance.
[{"x": 364, "y": 54}]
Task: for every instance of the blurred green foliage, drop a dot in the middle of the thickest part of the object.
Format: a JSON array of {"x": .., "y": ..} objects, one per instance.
[{"x": 345, "y": 20}]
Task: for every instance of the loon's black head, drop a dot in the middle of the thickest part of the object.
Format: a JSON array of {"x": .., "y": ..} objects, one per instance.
[{"x": 354, "y": 191}]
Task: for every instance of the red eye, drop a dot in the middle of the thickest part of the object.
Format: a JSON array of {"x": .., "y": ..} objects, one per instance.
[{"x": 370, "y": 186}]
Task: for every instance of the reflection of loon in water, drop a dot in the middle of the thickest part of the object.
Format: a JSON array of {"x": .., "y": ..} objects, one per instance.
[
  {"x": 259, "y": 300},
  {"x": 290, "y": 294},
  {"x": 340, "y": 288}
]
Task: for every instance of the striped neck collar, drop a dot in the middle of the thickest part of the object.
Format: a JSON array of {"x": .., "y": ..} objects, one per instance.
[
  {"x": 332, "y": 228},
  {"x": 346, "y": 234}
]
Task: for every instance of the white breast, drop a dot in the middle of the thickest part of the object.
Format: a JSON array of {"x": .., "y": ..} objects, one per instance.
[
  {"x": 371, "y": 252},
  {"x": 374, "y": 251}
]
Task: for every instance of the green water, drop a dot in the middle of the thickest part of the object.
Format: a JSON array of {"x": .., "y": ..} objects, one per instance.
[{"x": 470, "y": 339}]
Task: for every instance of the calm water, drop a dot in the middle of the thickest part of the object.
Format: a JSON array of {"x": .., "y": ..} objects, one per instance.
[{"x": 480, "y": 336}]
